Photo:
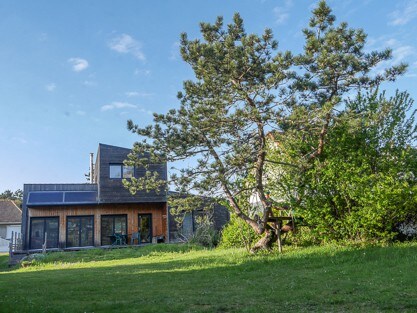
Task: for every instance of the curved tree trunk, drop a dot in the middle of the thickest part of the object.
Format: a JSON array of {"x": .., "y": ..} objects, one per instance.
[{"x": 265, "y": 243}]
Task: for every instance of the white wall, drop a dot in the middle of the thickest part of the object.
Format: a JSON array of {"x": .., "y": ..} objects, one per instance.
[{"x": 12, "y": 228}]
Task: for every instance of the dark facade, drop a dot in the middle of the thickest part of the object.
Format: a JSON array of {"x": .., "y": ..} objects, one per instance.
[
  {"x": 220, "y": 216},
  {"x": 111, "y": 190}
]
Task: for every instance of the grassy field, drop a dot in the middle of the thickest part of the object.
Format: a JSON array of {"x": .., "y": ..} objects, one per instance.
[{"x": 171, "y": 278}]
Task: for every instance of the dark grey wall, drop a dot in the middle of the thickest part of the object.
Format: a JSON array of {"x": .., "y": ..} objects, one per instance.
[
  {"x": 221, "y": 217},
  {"x": 112, "y": 190}
]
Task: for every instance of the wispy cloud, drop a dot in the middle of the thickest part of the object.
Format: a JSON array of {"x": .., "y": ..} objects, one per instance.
[
  {"x": 20, "y": 140},
  {"x": 404, "y": 14},
  {"x": 282, "y": 12},
  {"x": 50, "y": 87},
  {"x": 81, "y": 113},
  {"x": 118, "y": 105},
  {"x": 401, "y": 53},
  {"x": 78, "y": 64},
  {"x": 141, "y": 72},
  {"x": 43, "y": 37},
  {"x": 175, "y": 54},
  {"x": 89, "y": 83},
  {"x": 128, "y": 45},
  {"x": 132, "y": 94}
]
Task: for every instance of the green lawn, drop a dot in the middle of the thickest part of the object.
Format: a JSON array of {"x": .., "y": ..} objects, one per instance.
[{"x": 173, "y": 278}]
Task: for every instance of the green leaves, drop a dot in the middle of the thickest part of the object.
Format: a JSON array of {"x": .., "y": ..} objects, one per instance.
[{"x": 245, "y": 93}]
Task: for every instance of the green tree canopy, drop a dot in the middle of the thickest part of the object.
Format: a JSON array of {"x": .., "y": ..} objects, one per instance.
[{"x": 245, "y": 88}]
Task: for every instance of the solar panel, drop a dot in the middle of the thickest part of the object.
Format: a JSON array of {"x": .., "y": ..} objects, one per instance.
[
  {"x": 61, "y": 197},
  {"x": 80, "y": 197},
  {"x": 46, "y": 197}
]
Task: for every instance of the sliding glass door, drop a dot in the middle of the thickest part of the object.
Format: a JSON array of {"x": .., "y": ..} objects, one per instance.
[
  {"x": 111, "y": 225},
  {"x": 80, "y": 231},
  {"x": 42, "y": 228}
]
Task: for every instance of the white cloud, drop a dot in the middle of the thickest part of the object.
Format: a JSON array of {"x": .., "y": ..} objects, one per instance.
[
  {"x": 131, "y": 94},
  {"x": 142, "y": 72},
  {"x": 391, "y": 42},
  {"x": 401, "y": 53},
  {"x": 128, "y": 45},
  {"x": 175, "y": 51},
  {"x": 282, "y": 12},
  {"x": 81, "y": 113},
  {"x": 89, "y": 83},
  {"x": 118, "y": 105},
  {"x": 50, "y": 87},
  {"x": 78, "y": 64},
  {"x": 43, "y": 37},
  {"x": 404, "y": 14},
  {"x": 146, "y": 111},
  {"x": 19, "y": 140}
]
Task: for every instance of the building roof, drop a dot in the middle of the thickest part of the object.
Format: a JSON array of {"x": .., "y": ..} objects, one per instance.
[{"x": 10, "y": 212}]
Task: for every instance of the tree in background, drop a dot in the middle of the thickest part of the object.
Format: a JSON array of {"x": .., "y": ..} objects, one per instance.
[
  {"x": 364, "y": 183},
  {"x": 10, "y": 195},
  {"x": 243, "y": 89},
  {"x": 16, "y": 196}
]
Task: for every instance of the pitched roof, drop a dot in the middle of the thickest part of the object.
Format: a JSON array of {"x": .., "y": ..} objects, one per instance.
[{"x": 9, "y": 212}]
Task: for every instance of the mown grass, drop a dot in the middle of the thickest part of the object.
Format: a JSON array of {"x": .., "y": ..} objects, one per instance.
[{"x": 181, "y": 278}]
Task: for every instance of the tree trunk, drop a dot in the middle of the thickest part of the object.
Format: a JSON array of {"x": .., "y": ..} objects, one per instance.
[{"x": 265, "y": 243}]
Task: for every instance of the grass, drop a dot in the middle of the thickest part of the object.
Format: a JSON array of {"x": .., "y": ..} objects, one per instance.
[{"x": 181, "y": 278}]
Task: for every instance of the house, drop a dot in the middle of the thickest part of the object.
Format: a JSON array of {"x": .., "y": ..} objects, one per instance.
[
  {"x": 10, "y": 221},
  {"x": 95, "y": 213},
  {"x": 79, "y": 215}
]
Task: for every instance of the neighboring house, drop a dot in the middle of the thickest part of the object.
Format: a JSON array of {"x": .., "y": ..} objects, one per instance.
[
  {"x": 219, "y": 216},
  {"x": 10, "y": 221},
  {"x": 79, "y": 215}
]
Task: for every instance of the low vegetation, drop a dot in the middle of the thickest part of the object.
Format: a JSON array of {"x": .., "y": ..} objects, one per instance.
[{"x": 186, "y": 278}]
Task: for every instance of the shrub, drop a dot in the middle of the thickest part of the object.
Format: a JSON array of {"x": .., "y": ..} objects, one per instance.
[{"x": 238, "y": 234}]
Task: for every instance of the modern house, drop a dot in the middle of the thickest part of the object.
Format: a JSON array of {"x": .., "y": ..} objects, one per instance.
[
  {"x": 10, "y": 221},
  {"x": 96, "y": 213},
  {"x": 79, "y": 215}
]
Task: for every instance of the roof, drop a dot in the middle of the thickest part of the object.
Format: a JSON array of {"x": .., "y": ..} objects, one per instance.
[{"x": 9, "y": 212}]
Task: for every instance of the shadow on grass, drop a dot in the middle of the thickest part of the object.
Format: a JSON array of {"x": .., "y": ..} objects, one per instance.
[{"x": 373, "y": 279}]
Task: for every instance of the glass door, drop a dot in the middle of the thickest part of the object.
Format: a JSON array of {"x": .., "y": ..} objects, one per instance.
[
  {"x": 111, "y": 225},
  {"x": 80, "y": 231},
  {"x": 145, "y": 228},
  {"x": 41, "y": 227}
]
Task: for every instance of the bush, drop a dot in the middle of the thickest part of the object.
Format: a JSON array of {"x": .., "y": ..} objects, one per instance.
[
  {"x": 205, "y": 236},
  {"x": 238, "y": 234}
]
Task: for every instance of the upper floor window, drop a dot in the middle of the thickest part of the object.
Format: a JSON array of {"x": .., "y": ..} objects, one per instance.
[{"x": 121, "y": 171}]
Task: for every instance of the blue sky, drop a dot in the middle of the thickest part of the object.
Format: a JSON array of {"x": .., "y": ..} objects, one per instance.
[{"x": 73, "y": 72}]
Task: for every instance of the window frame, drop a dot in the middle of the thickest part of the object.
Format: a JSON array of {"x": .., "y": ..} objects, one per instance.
[{"x": 122, "y": 168}]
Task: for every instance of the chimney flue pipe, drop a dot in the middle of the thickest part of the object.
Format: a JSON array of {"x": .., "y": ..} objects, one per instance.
[{"x": 91, "y": 168}]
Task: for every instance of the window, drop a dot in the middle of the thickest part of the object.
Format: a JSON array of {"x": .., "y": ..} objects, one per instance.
[
  {"x": 80, "y": 231},
  {"x": 110, "y": 225},
  {"x": 128, "y": 171},
  {"x": 145, "y": 228},
  {"x": 41, "y": 227},
  {"x": 115, "y": 170},
  {"x": 121, "y": 171}
]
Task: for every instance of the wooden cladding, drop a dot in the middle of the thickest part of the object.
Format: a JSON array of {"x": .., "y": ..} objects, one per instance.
[{"x": 132, "y": 211}]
